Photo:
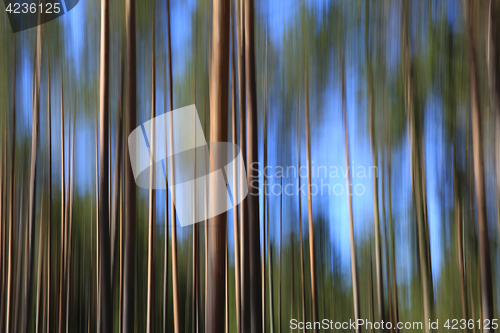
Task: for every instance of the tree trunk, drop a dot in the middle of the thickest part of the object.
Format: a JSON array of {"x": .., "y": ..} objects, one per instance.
[
  {"x": 302, "y": 274},
  {"x": 32, "y": 187},
  {"x": 378, "y": 256},
  {"x": 63, "y": 204},
  {"x": 70, "y": 219},
  {"x": 165, "y": 263},
  {"x": 252, "y": 157},
  {"x": 219, "y": 79},
  {"x": 492, "y": 58},
  {"x": 130, "y": 186},
  {"x": 235, "y": 178},
  {"x": 279, "y": 259},
  {"x": 270, "y": 270},
  {"x": 106, "y": 311},
  {"x": 172, "y": 206},
  {"x": 49, "y": 194},
  {"x": 150, "y": 320},
  {"x": 417, "y": 179},
  {"x": 243, "y": 208},
  {"x": 354, "y": 274},
  {"x": 484, "y": 242}
]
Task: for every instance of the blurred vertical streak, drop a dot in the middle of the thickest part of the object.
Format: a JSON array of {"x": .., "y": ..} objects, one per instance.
[
  {"x": 270, "y": 270},
  {"x": 237, "y": 284},
  {"x": 416, "y": 171},
  {"x": 302, "y": 274},
  {"x": 39, "y": 266},
  {"x": 279, "y": 257},
  {"x": 97, "y": 269},
  {"x": 243, "y": 209},
  {"x": 173, "y": 221},
  {"x": 150, "y": 320},
  {"x": 196, "y": 263},
  {"x": 165, "y": 263},
  {"x": 63, "y": 204},
  {"x": 252, "y": 157},
  {"x": 378, "y": 259},
  {"x": 312, "y": 258},
  {"x": 478, "y": 159},
  {"x": 117, "y": 196},
  {"x": 32, "y": 187},
  {"x": 106, "y": 311},
  {"x": 217, "y": 232},
  {"x": 354, "y": 274},
  {"x": 12, "y": 200},
  {"x": 49, "y": 190},
  {"x": 70, "y": 217},
  {"x": 264, "y": 220},
  {"x": 492, "y": 58}
]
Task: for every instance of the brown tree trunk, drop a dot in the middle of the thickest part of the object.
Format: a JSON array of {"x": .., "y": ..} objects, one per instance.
[
  {"x": 130, "y": 186},
  {"x": 478, "y": 159},
  {"x": 106, "y": 306},
  {"x": 150, "y": 320},
  {"x": 302, "y": 274},
  {"x": 49, "y": 195},
  {"x": 235, "y": 178},
  {"x": 172, "y": 206},
  {"x": 312, "y": 259},
  {"x": 219, "y": 79},
  {"x": 243, "y": 207}
]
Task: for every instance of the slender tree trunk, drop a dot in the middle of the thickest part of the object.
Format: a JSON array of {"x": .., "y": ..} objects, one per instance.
[
  {"x": 63, "y": 204},
  {"x": 49, "y": 195},
  {"x": 150, "y": 320},
  {"x": 492, "y": 58},
  {"x": 264, "y": 244},
  {"x": 12, "y": 200},
  {"x": 235, "y": 177},
  {"x": 70, "y": 219},
  {"x": 117, "y": 182},
  {"x": 279, "y": 259},
  {"x": 165, "y": 263},
  {"x": 32, "y": 187},
  {"x": 244, "y": 228},
  {"x": 302, "y": 274},
  {"x": 106, "y": 308},
  {"x": 130, "y": 187},
  {"x": 484, "y": 242},
  {"x": 217, "y": 232},
  {"x": 172, "y": 207},
  {"x": 270, "y": 270},
  {"x": 252, "y": 158},
  {"x": 378, "y": 256},
  {"x": 354, "y": 274},
  {"x": 393, "y": 249},
  {"x": 20, "y": 232},
  {"x": 418, "y": 191}
]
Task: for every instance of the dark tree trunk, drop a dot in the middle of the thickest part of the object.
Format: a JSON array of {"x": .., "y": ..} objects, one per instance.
[
  {"x": 130, "y": 187},
  {"x": 106, "y": 306},
  {"x": 252, "y": 225}
]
